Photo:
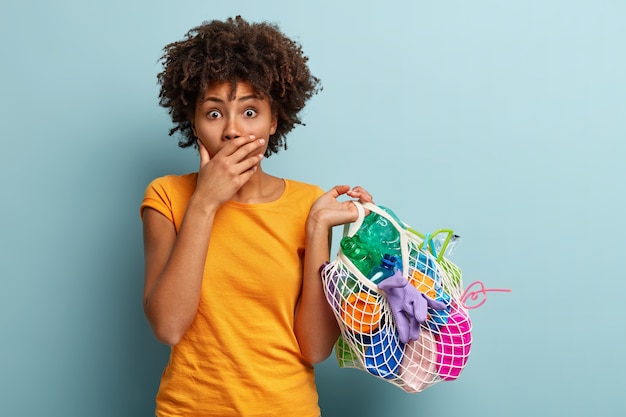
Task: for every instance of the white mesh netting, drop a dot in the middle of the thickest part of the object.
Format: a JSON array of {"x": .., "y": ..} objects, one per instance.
[{"x": 369, "y": 338}]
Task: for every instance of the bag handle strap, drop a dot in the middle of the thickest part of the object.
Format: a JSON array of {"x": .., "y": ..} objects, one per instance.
[
  {"x": 372, "y": 207},
  {"x": 354, "y": 227},
  {"x": 427, "y": 239},
  {"x": 350, "y": 229}
]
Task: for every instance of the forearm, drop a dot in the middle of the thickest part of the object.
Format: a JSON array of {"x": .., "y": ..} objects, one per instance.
[
  {"x": 315, "y": 325},
  {"x": 171, "y": 301}
]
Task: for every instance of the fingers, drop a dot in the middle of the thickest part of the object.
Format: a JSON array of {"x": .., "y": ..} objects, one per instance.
[
  {"x": 361, "y": 194},
  {"x": 243, "y": 147},
  {"x": 338, "y": 190},
  {"x": 241, "y": 154},
  {"x": 357, "y": 192},
  {"x": 245, "y": 154},
  {"x": 330, "y": 211}
]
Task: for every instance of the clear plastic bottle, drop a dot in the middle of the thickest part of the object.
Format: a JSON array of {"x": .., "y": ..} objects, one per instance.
[
  {"x": 451, "y": 246},
  {"x": 438, "y": 241},
  {"x": 454, "y": 273}
]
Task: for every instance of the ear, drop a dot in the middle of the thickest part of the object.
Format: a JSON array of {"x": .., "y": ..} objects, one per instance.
[{"x": 274, "y": 124}]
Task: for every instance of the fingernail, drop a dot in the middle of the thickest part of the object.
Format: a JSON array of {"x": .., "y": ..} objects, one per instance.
[{"x": 261, "y": 141}]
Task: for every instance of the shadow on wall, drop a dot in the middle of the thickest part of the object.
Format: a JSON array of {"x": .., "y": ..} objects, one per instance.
[
  {"x": 351, "y": 392},
  {"x": 143, "y": 355},
  {"x": 125, "y": 361}
]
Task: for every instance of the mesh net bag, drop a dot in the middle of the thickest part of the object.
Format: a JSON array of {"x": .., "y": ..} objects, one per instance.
[{"x": 373, "y": 328}]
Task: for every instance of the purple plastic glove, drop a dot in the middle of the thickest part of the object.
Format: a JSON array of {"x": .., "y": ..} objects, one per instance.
[{"x": 409, "y": 306}]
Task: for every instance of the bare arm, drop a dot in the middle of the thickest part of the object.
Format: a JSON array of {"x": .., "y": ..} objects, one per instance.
[
  {"x": 174, "y": 267},
  {"x": 174, "y": 263},
  {"x": 315, "y": 326}
]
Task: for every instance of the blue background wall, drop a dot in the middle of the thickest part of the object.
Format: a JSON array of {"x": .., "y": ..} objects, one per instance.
[{"x": 502, "y": 120}]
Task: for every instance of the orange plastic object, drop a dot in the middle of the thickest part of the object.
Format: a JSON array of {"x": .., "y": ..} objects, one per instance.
[
  {"x": 423, "y": 283},
  {"x": 361, "y": 312}
]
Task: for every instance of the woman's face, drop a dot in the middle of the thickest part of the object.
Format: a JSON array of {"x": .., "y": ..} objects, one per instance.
[{"x": 221, "y": 116}]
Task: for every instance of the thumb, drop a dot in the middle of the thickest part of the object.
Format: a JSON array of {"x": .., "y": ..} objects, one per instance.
[{"x": 204, "y": 154}]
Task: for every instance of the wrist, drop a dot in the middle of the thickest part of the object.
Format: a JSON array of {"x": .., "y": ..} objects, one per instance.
[
  {"x": 198, "y": 204},
  {"x": 316, "y": 225}
]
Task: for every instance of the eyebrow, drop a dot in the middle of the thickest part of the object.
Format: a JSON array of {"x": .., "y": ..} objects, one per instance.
[{"x": 243, "y": 98}]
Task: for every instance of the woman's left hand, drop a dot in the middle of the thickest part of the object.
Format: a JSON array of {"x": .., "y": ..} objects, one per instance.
[
  {"x": 329, "y": 211},
  {"x": 315, "y": 325}
]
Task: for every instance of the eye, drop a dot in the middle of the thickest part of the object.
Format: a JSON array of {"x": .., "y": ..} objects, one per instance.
[
  {"x": 249, "y": 113},
  {"x": 213, "y": 114}
]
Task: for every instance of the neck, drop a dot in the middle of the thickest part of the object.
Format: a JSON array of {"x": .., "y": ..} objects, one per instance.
[{"x": 261, "y": 188}]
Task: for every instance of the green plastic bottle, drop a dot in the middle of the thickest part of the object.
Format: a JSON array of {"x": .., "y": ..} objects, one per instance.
[
  {"x": 379, "y": 233},
  {"x": 362, "y": 255}
]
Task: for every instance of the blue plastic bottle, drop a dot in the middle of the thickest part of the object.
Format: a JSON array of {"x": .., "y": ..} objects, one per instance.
[{"x": 386, "y": 269}]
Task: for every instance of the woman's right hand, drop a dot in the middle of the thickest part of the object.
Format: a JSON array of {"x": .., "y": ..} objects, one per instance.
[{"x": 220, "y": 177}]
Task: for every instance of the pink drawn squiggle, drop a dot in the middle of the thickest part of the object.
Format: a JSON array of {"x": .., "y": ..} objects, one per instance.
[{"x": 475, "y": 294}]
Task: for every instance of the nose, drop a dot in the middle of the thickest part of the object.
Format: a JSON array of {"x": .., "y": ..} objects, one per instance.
[{"x": 232, "y": 129}]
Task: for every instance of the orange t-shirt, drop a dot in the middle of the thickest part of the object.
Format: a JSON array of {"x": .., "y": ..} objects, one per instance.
[{"x": 240, "y": 356}]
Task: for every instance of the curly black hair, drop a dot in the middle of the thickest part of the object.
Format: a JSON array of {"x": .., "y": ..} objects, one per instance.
[{"x": 234, "y": 51}]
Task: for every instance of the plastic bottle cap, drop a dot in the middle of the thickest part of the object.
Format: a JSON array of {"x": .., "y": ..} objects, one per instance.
[{"x": 389, "y": 260}]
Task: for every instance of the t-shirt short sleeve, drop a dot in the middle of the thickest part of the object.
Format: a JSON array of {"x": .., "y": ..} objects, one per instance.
[{"x": 156, "y": 197}]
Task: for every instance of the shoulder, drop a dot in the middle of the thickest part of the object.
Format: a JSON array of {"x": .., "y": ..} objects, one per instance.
[
  {"x": 174, "y": 181},
  {"x": 300, "y": 195},
  {"x": 303, "y": 190},
  {"x": 172, "y": 184},
  {"x": 169, "y": 193}
]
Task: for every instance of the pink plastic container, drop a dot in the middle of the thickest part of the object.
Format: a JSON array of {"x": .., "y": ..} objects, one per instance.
[{"x": 453, "y": 346}]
